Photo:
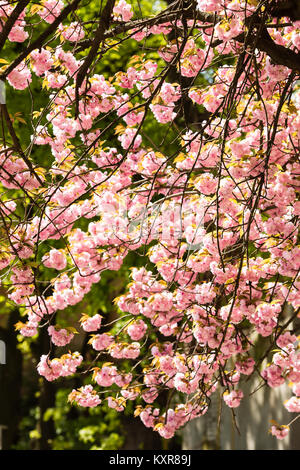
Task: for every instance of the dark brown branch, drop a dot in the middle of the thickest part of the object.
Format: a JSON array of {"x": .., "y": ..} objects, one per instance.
[
  {"x": 279, "y": 54},
  {"x": 286, "y": 8}
]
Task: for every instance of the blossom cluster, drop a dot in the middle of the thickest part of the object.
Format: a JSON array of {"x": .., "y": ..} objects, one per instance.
[{"x": 220, "y": 218}]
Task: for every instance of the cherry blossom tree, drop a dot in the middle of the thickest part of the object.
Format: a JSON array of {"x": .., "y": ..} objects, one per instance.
[{"x": 210, "y": 197}]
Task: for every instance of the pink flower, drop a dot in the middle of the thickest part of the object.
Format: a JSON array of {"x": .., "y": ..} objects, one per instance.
[
  {"x": 62, "y": 367},
  {"x": 48, "y": 369},
  {"x": 73, "y": 33},
  {"x": 116, "y": 403},
  {"x": 17, "y": 34},
  {"x": 137, "y": 330},
  {"x": 123, "y": 9},
  {"x": 206, "y": 184},
  {"x": 91, "y": 323},
  {"x": 279, "y": 431},
  {"x": 293, "y": 405},
  {"x": 125, "y": 351},
  {"x": 233, "y": 398},
  {"x": 246, "y": 366},
  {"x": 273, "y": 375},
  {"x": 296, "y": 389},
  {"x": 51, "y": 10},
  {"x": 228, "y": 30},
  {"x": 105, "y": 377},
  {"x": 41, "y": 61},
  {"x": 209, "y": 5},
  {"x": 286, "y": 339},
  {"x": 163, "y": 114},
  {"x": 150, "y": 395},
  {"x": 130, "y": 138},
  {"x": 85, "y": 396},
  {"x": 102, "y": 341},
  {"x": 185, "y": 384},
  {"x": 30, "y": 329},
  {"x": 123, "y": 379},
  {"x": 55, "y": 259},
  {"x": 20, "y": 77},
  {"x": 60, "y": 337}
]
